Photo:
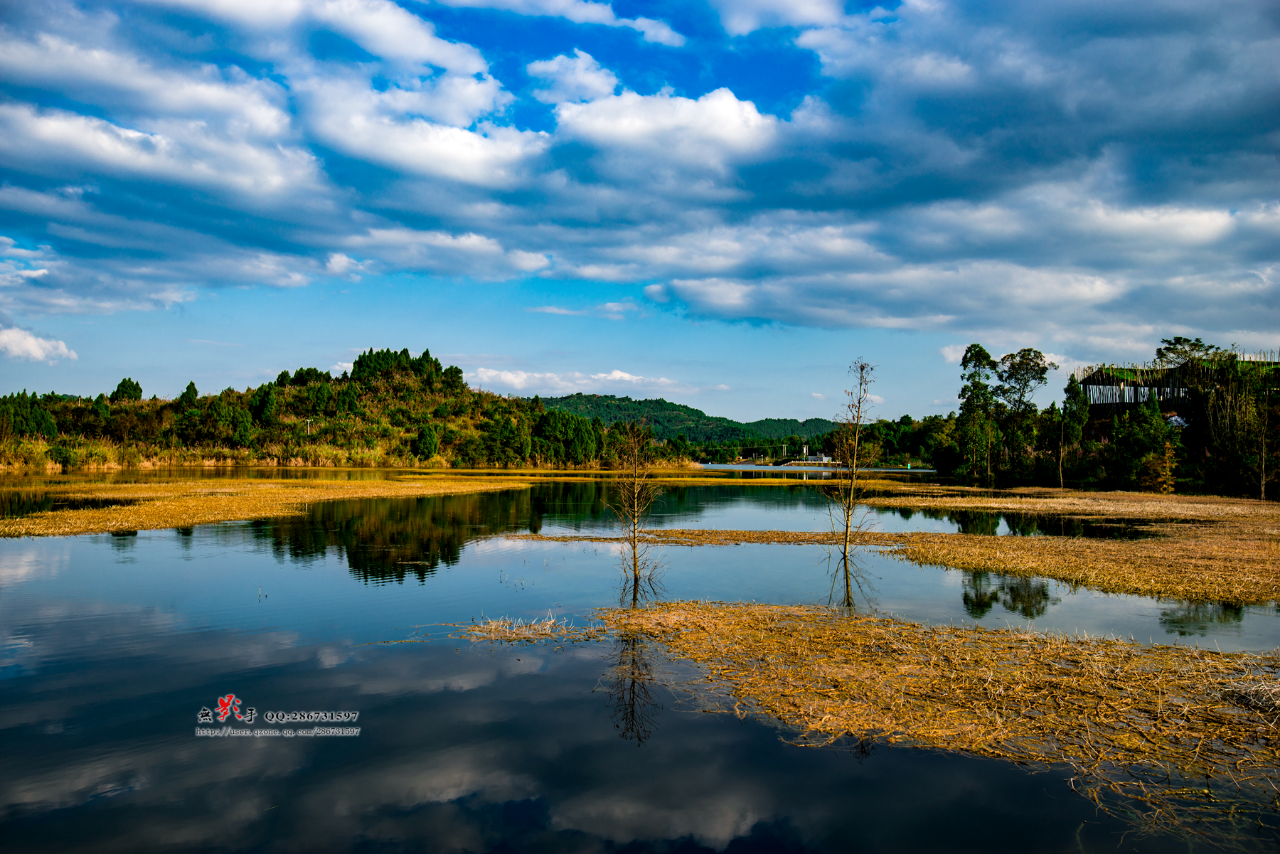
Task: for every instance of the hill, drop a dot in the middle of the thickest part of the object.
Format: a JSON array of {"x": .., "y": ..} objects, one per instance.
[{"x": 669, "y": 419}]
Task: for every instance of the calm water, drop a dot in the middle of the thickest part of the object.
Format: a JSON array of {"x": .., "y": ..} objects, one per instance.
[{"x": 111, "y": 646}]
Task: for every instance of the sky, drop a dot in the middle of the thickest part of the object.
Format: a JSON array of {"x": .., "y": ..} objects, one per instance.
[{"x": 722, "y": 203}]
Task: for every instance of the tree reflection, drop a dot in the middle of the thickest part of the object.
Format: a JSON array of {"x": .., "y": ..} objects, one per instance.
[
  {"x": 1199, "y": 618},
  {"x": 633, "y": 708},
  {"x": 1027, "y": 597},
  {"x": 850, "y": 581},
  {"x": 386, "y": 540},
  {"x": 979, "y": 597},
  {"x": 976, "y": 522}
]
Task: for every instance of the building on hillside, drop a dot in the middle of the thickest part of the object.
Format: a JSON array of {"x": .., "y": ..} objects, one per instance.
[{"x": 1117, "y": 387}]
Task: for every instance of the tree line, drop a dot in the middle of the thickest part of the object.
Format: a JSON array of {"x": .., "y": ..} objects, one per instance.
[
  {"x": 1219, "y": 436},
  {"x": 391, "y": 408},
  {"x": 1218, "y": 433}
]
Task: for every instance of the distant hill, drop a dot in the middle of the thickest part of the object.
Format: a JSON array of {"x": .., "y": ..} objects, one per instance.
[{"x": 669, "y": 418}]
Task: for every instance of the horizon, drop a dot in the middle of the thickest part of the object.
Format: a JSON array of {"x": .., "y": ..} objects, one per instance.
[{"x": 720, "y": 204}]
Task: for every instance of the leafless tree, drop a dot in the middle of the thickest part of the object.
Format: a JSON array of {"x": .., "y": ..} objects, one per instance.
[
  {"x": 633, "y": 493},
  {"x": 844, "y": 492}
]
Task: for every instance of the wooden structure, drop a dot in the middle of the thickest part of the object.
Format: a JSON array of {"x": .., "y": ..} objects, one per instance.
[{"x": 1120, "y": 386}]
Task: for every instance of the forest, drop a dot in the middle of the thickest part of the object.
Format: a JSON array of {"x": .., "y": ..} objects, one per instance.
[
  {"x": 1215, "y": 432},
  {"x": 669, "y": 420}
]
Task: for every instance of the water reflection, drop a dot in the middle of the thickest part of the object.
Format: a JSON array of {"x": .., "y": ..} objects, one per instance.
[
  {"x": 104, "y": 667},
  {"x": 633, "y": 704},
  {"x": 852, "y": 584},
  {"x": 983, "y": 523},
  {"x": 390, "y": 539},
  {"x": 16, "y": 503},
  {"x": 1027, "y": 597},
  {"x": 1200, "y": 618}
]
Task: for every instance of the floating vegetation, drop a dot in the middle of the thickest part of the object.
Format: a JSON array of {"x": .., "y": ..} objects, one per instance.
[
  {"x": 1178, "y": 739},
  {"x": 177, "y": 504},
  {"x": 507, "y": 630}
]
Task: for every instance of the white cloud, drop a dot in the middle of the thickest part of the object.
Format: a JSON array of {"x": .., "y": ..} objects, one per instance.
[
  {"x": 341, "y": 368},
  {"x": 381, "y": 128},
  {"x": 381, "y": 27},
  {"x": 341, "y": 265},
  {"x": 708, "y": 132},
  {"x": 817, "y": 396},
  {"x": 580, "y": 12},
  {"x": 740, "y": 17},
  {"x": 953, "y": 353},
  {"x": 122, "y": 80},
  {"x": 610, "y": 310},
  {"x": 21, "y": 344},
  {"x": 181, "y": 153},
  {"x": 568, "y": 383},
  {"x": 555, "y": 309},
  {"x": 572, "y": 79},
  {"x": 470, "y": 253}
]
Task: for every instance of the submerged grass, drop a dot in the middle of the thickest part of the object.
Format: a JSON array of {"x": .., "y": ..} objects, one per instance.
[
  {"x": 1178, "y": 738},
  {"x": 507, "y": 630},
  {"x": 173, "y": 504}
]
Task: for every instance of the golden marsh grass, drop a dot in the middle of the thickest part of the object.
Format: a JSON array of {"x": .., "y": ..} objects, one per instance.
[{"x": 1185, "y": 739}]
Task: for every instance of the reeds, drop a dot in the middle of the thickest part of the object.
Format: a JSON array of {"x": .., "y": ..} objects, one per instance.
[
  {"x": 507, "y": 630},
  {"x": 1178, "y": 738}
]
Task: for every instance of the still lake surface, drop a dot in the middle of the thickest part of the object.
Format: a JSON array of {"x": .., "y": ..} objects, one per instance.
[{"x": 110, "y": 647}]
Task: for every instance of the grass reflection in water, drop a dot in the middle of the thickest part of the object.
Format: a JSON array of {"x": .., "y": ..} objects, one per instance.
[{"x": 1177, "y": 739}]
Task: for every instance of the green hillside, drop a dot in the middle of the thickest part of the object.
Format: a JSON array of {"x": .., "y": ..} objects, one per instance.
[{"x": 669, "y": 419}]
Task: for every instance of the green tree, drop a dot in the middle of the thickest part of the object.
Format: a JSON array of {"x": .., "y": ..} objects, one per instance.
[
  {"x": 976, "y": 427},
  {"x": 189, "y": 397},
  {"x": 1177, "y": 350},
  {"x": 262, "y": 404},
  {"x": 126, "y": 390},
  {"x": 1071, "y": 424},
  {"x": 1135, "y": 454},
  {"x": 454, "y": 384},
  {"x": 1021, "y": 375},
  {"x": 427, "y": 443},
  {"x": 1238, "y": 412}
]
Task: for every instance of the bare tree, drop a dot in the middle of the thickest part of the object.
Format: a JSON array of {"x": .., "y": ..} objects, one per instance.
[
  {"x": 850, "y": 452},
  {"x": 634, "y": 492}
]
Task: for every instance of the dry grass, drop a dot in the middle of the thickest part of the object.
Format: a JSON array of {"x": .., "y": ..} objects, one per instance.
[
  {"x": 1181, "y": 738},
  {"x": 506, "y": 630},
  {"x": 176, "y": 504}
]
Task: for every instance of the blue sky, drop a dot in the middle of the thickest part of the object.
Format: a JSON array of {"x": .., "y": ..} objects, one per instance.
[{"x": 718, "y": 203}]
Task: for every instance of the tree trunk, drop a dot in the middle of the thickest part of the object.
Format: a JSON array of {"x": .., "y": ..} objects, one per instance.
[{"x": 1062, "y": 448}]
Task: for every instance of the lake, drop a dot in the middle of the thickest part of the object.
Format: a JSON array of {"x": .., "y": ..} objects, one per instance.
[{"x": 113, "y": 646}]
